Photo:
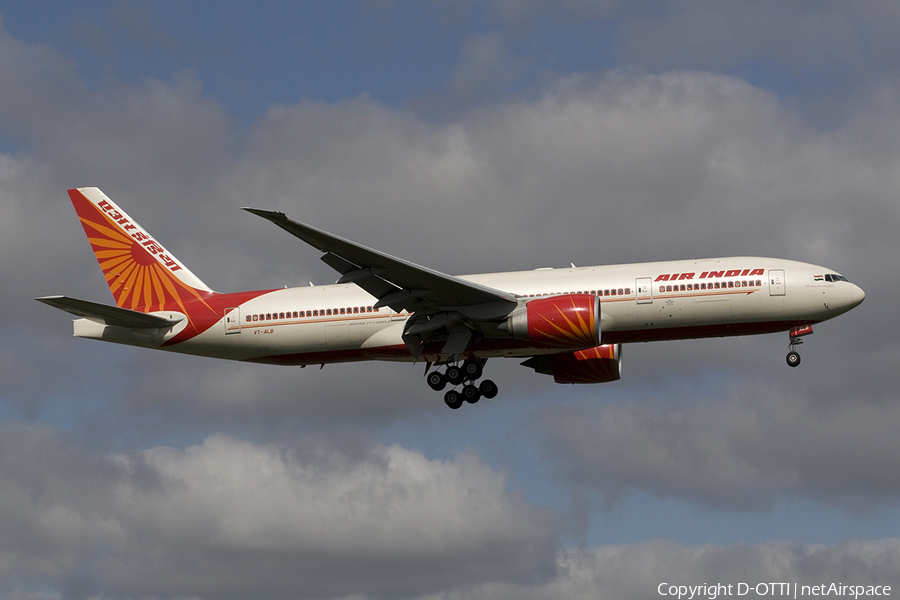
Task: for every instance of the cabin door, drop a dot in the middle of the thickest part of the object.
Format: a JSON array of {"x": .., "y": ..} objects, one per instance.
[
  {"x": 644, "y": 290},
  {"x": 776, "y": 282},
  {"x": 232, "y": 320}
]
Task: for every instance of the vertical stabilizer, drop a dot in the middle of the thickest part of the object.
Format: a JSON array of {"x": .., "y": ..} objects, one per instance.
[{"x": 141, "y": 274}]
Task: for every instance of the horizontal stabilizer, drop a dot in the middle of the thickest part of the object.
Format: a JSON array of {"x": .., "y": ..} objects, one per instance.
[{"x": 109, "y": 315}]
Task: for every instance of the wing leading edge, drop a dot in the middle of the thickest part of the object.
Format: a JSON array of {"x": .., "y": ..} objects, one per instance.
[{"x": 398, "y": 283}]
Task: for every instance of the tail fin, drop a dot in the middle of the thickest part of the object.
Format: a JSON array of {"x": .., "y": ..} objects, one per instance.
[{"x": 141, "y": 274}]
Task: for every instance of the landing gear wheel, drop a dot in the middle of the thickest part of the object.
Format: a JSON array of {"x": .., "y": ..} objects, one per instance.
[
  {"x": 453, "y": 399},
  {"x": 437, "y": 381},
  {"x": 454, "y": 375},
  {"x": 488, "y": 388},
  {"x": 471, "y": 370},
  {"x": 793, "y": 359},
  {"x": 471, "y": 394}
]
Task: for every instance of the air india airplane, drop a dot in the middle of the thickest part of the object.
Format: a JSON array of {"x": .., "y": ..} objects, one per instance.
[{"x": 568, "y": 322}]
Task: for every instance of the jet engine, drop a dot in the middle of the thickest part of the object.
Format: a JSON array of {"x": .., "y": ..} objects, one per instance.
[
  {"x": 567, "y": 321},
  {"x": 599, "y": 364}
]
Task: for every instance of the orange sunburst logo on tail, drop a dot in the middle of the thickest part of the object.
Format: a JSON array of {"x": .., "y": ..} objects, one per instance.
[{"x": 140, "y": 273}]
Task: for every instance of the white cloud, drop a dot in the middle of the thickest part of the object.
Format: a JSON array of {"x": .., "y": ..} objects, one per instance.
[
  {"x": 636, "y": 571},
  {"x": 740, "y": 446},
  {"x": 230, "y": 518}
]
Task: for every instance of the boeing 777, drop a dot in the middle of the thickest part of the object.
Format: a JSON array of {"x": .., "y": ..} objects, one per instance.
[{"x": 569, "y": 323}]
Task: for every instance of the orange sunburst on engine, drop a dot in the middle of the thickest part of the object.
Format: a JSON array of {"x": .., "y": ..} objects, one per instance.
[{"x": 568, "y": 321}]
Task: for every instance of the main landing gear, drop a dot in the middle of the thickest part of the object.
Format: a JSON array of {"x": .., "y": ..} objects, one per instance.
[
  {"x": 466, "y": 374},
  {"x": 793, "y": 357}
]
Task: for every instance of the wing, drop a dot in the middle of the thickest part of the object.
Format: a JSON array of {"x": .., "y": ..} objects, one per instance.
[
  {"x": 398, "y": 283},
  {"x": 109, "y": 315}
]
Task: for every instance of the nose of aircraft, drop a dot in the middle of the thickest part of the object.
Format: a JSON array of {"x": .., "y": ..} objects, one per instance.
[{"x": 857, "y": 295}]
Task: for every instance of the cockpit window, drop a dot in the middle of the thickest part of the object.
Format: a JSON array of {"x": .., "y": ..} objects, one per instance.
[{"x": 832, "y": 277}]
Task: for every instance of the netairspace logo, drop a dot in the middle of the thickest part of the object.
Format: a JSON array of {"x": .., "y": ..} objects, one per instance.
[{"x": 770, "y": 589}]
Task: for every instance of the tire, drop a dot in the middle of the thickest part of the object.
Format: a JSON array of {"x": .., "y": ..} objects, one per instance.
[
  {"x": 471, "y": 370},
  {"x": 454, "y": 375},
  {"x": 453, "y": 399},
  {"x": 471, "y": 394},
  {"x": 437, "y": 381},
  {"x": 793, "y": 359},
  {"x": 488, "y": 389}
]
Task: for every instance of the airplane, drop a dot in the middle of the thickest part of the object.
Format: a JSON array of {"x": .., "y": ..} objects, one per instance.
[{"x": 569, "y": 323}]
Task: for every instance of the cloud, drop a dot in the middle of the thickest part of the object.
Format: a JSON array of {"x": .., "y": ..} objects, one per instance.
[
  {"x": 636, "y": 571},
  {"x": 323, "y": 519},
  {"x": 738, "y": 448},
  {"x": 229, "y": 518}
]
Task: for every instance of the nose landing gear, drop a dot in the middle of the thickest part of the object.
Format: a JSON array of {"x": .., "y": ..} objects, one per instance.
[
  {"x": 469, "y": 372},
  {"x": 793, "y": 357}
]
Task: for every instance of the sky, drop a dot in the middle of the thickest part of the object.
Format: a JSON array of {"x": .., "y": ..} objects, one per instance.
[{"x": 468, "y": 137}]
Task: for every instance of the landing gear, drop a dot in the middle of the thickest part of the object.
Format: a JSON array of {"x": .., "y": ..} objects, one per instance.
[
  {"x": 467, "y": 373},
  {"x": 793, "y": 357}
]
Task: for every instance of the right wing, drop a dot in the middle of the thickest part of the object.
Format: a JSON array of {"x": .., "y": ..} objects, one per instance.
[{"x": 108, "y": 315}]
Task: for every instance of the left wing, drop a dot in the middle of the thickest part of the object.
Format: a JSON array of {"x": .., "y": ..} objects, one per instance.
[
  {"x": 398, "y": 283},
  {"x": 446, "y": 308}
]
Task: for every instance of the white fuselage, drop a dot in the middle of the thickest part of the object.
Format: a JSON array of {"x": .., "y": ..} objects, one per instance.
[{"x": 639, "y": 302}]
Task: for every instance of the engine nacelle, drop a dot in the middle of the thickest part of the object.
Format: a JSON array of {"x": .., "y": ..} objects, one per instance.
[
  {"x": 569, "y": 321},
  {"x": 599, "y": 364}
]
